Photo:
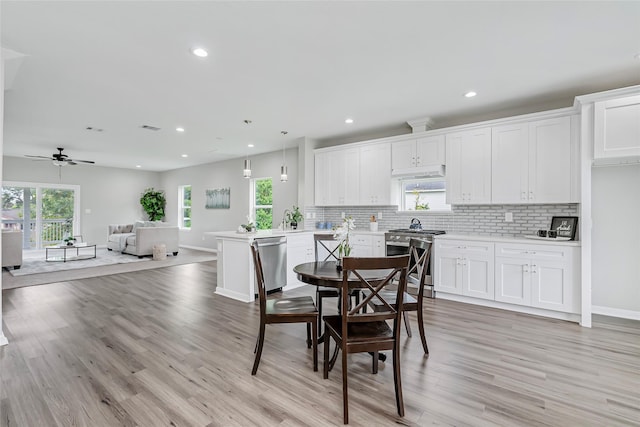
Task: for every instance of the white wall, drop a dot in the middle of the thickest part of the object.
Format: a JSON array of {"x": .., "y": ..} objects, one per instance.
[
  {"x": 112, "y": 195},
  {"x": 228, "y": 174},
  {"x": 616, "y": 239},
  {"x": 3, "y": 339}
]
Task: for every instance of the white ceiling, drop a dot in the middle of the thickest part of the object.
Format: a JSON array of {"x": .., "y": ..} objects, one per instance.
[{"x": 302, "y": 67}]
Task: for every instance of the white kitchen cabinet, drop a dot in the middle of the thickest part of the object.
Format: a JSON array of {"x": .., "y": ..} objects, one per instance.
[
  {"x": 367, "y": 245},
  {"x": 299, "y": 250},
  {"x": 337, "y": 177},
  {"x": 468, "y": 156},
  {"x": 532, "y": 162},
  {"x": 539, "y": 276},
  {"x": 375, "y": 174},
  {"x": 465, "y": 268},
  {"x": 409, "y": 156},
  {"x": 617, "y": 128}
]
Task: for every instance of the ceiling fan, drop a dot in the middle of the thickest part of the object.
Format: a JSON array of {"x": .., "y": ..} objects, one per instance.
[{"x": 60, "y": 159}]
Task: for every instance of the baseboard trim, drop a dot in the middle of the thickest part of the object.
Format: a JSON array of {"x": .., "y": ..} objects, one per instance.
[
  {"x": 199, "y": 248},
  {"x": 615, "y": 312}
]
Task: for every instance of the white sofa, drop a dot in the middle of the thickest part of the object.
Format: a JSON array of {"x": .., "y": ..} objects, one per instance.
[
  {"x": 140, "y": 238},
  {"x": 11, "y": 249}
]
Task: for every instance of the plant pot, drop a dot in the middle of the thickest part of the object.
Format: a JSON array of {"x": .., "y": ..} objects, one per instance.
[{"x": 294, "y": 225}]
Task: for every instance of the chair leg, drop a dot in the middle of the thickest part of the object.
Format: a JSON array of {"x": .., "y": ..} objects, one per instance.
[
  {"x": 407, "y": 326},
  {"x": 397, "y": 379},
  {"x": 314, "y": 340},
  {"x": 345, "y": 389},
  {"x": 374, "y": 362},
  {"x": 327, "y": 338},
  {"x": 319, "y": 302},
  {"x": 309, "y": 334},
  {"x": 256, "y": 362},
  {"x": 423, "y": 337}
]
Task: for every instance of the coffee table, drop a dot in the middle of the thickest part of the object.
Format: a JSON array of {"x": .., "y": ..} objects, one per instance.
[{"x": 59, "y": 252}]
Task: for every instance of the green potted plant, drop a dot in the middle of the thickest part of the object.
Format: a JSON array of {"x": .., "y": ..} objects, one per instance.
[
  {"x": 70, "y": 241},
  {"x": 294, "y": 217},
  {"x": 153, "y": 202}
]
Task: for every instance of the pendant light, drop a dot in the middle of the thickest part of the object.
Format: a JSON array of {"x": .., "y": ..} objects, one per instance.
[
  {"x": 283, "y": 168},
  {"x": 246, "y": 172}
]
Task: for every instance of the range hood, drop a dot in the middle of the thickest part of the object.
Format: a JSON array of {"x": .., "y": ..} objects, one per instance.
[{"x": 426, "y": 171}]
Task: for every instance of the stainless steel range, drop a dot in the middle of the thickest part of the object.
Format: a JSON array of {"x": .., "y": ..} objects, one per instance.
[{"x": 397, "y": 241}]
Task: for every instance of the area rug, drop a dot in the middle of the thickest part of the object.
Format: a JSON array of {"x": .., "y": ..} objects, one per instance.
[{"x": 76, "y": 271}]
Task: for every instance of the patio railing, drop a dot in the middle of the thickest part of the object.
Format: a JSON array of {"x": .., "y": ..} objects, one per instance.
[{"x": 53, "y": 231}]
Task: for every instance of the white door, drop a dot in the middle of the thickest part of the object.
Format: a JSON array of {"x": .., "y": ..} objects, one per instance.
[
  {"x": 513, "y": 281},
  {"x": 509, "y": 164},
  {"x": 403, "y": 154},
  {"x": 478, "y": 277},
  {"x": 375, "y": 174},
  {"x": 551, "y": 285},
  {"x": 430, "y": 150},
  {"x": 448, "y": 272},
  {"x": 550, "y": 160}
]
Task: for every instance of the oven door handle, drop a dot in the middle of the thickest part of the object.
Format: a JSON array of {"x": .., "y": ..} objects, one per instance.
[{"x": 399, "y": 244}]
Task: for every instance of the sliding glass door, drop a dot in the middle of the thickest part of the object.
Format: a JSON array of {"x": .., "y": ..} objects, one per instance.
[{"x": 46, "y": 213}]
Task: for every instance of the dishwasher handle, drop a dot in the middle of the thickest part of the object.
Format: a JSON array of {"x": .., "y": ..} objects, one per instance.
[{"x": 271, "y": 241}]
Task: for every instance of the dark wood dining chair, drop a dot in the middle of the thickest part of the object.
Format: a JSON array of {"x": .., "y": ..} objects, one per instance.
[
  {"x": 324, "y": 252},
  {"x": 420, "y": 257},
  {"x": 283, "y": 310},
  {"x": 355, "y": 331}
]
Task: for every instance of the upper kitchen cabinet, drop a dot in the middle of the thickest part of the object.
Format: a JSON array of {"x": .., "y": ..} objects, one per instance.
[
  {"x": 375, "y": 174},
  {"x": 533, "y": 162},
  {"x": 359, "y": 175},
  {"x": 468, "y": 160},
  {"x": 617, "y": 128},
  {"x": 418, "y": 156},
  {"x": 337, "y": 177}
]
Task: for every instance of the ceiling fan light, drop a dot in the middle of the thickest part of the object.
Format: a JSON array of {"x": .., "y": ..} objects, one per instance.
[{"x": 59, "y": 163}]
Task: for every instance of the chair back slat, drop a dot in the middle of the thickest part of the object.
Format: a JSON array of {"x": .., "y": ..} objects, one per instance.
[
  {"x": 392, "y": 268},
  {"x": 262, "y": 292},
  {"x": 420, "y": 258},
  {"x": 319, "y": 240}
]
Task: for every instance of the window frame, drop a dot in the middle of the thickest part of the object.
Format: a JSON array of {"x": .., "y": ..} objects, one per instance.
[
  {"x": 253, "y": 207},
  {"x": 403, "y": 199},
  {"x": 182, "y": 207}
]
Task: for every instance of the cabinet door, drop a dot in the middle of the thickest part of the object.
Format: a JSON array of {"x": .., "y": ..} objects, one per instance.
[
  {"x": 403, "y": 155},
  {"x": 350, "y": 183},
  {"x": 430, "y": 150},
  {"x": 322, "y": 171},
  {"x": 448, "y": 272},
  {"x": 361, "y": 244},
  {"x": 379, "y": 248},
  {"x": 551, "y": 285},
  {"x": 375, "y": 174},
  {"x": 550, "y": 161},
  {"x": 509, "y": 164},
  {"x": 299, "y": 250},
  {"x": 513, "y": 280},
  {"x": 617, "y": 128},
  {"x": 478, "y": 277},
  {"x": 469, "y": 167}
]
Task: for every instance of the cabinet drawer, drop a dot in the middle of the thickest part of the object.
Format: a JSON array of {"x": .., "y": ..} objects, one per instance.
[
  {"x": 534, "y": 252},
  {"x": 361, "y": 239},
  {"x": 465, "y": 247}
]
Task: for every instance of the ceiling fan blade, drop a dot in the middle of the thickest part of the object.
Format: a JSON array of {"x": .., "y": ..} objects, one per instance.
[
  {"x": 80, "y": 161},
  {"x": 71, "y": 162},
  {"x": 38, "y": 157}
]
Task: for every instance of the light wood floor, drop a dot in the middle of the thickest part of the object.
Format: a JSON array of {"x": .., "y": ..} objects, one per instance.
[{"x": 158, "y": 347}]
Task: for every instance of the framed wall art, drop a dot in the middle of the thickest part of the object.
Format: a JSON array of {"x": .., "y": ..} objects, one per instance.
[{"x": 219, "y": 198}]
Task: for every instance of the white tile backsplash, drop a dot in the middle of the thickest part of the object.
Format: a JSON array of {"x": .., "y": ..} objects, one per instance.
[{"x": 463, "y": 219}]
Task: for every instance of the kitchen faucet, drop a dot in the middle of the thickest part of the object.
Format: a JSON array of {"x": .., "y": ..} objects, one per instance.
[{"x": 284, "y": 219}]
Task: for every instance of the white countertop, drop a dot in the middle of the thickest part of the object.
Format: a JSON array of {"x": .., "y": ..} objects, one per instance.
[
  {"x": 261, "y": 234},
  {"x": 502, "y": 239}
]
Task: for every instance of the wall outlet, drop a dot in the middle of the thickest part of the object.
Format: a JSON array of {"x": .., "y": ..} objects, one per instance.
[
  {"x": 379, "y": 215},
  {"x": 342, "y": 215},
  {"x": 313, "y": 215},
  {"x": 308, "y": 215},
  {"x": 87, "y": 211},
  {"x": 508, "y": 217}
]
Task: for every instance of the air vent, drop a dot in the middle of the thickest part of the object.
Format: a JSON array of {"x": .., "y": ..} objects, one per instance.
[
  {"x": 91, "y": 128},
  {"x": 147, "y": 127}
]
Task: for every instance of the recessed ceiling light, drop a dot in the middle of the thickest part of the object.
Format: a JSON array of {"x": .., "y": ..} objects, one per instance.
[
  {"x": 179, "y": 129},
  {"x": 138, "y": 166},
  {"x": 348, "y": 121},
  {"x": 470, "y": 94},
  {"x": 184, "y": 155},
  {"x": 250, "y": 146},
  {"x": 198, "y": 51}
]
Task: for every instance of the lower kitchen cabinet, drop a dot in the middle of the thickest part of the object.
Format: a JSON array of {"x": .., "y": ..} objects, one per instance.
[
  {"x": 367, "y": 245},
  {"x": 465, "y": 268},
  {"x": 536, "y": 275},
  {"x": 299, "y": 250},
  {"x": 541, "y": 276}
]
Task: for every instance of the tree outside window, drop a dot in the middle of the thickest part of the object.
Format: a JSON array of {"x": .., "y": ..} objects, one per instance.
[{"x": 262, "y": 203}]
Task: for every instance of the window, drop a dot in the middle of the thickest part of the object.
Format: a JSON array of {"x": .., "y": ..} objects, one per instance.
[
  {"x": 426, "y": 194},
  {"x": 184, "y": 208},
  {"x": 262, "y": 203}
]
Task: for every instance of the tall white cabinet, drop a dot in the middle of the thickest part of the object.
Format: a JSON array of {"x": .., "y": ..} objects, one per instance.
[
  {"x": 533, "y": 162},
  {"x": 617, "y": 128},
  {"x": 468, "y": 157}
]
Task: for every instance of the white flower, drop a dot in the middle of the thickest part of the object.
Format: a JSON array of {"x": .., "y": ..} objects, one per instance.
[{"x": 341, "y": 234}]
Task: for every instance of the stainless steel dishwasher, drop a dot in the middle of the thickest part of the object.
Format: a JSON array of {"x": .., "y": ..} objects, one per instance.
[{"x": 273, "y": 253}]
